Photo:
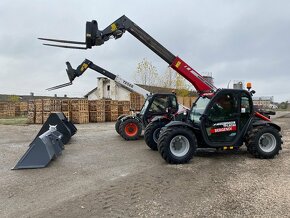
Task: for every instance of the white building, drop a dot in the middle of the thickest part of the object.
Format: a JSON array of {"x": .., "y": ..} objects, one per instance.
[
  {"x": 264, "y": 101},
  {"x": 108, "y": 89}
]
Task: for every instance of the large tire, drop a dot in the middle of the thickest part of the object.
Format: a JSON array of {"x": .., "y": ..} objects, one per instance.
[
  {"x": 151, "y": 134},
  {"x": 177, "y": 145},
  {"x": 130, "y": 129},
  {"x": 264, "y": 142},
  {"x": 117, "y": 125}
]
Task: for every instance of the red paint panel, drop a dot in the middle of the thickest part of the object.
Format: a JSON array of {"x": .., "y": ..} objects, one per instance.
[{"x": 200, "y": 84}]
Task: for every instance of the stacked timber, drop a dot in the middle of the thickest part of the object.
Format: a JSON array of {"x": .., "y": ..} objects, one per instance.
[
  {"x": 31, "y": 112},
  {"x": 2, "y": 111},
  {"x": 66, "y": 108},
  {"x": 38, "y": 111},
  {"x": 111, "y": 110},
  {"x": 186, "y": 101},
  {"x": 80, "y": 111},
  {"x": 136, "y": 101},
  {"x": 123, "y": 107},
  {"x": 50, "y": 105},
  {"x": 23, "y": 108},
  {"x": 97, "y": 111}
]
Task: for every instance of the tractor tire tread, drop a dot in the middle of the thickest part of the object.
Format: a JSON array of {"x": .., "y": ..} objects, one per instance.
[
  {"x": 123, "y": 133},
  {"x": 163, "y": 142},
  {"x": 148, "y": 134},
  {"x": 252, "y": 142}
]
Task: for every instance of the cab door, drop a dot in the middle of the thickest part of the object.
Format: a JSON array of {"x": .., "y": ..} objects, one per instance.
[{"x": 221, "y": 120}]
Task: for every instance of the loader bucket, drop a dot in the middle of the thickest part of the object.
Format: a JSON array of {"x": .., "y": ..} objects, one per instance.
[
  {"x": 62, "y": 124},
  {"x": 41, "y": 151}
]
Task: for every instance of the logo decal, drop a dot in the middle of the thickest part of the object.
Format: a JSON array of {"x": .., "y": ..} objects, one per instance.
[
  {"x": 114, "y": 27},
  {"x": 84, "y": 67},
  {"x": 224, "y": 127},
  {"x": 177, "y": 64}
]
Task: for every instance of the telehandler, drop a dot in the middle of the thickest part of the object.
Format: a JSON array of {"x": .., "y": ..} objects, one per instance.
[{"x": 220, "y": 118}]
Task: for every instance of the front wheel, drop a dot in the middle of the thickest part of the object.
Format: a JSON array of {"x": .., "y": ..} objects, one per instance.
[
  {"x": 118, "y": 122},
  {"x": 151, "y": 134},
  {"x": 177, "y": 145},
  {"x": 264, "y": 142},
  {"x": 130, "y": 129},
  {"x": 117, "y": 125}
]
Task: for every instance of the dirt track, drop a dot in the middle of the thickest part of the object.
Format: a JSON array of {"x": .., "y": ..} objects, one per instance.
[{"x": 101, "y": 175}]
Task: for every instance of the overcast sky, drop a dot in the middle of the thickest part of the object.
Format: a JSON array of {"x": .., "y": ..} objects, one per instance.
[{"x": 243, "y": 40}]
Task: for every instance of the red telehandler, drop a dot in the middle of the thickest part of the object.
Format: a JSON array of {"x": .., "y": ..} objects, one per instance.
[{"x": 220, "y": 118}]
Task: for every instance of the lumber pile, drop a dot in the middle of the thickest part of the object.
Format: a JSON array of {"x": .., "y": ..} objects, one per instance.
[
  {"x": 136, "y": 101},
  {"x": 123, "y": 107},
  {"x": 80, "y": 111},
  {"x": 97, "y": 111},
  {"x": 186, "y": 101},
  {"x": 111, "y": 110}
]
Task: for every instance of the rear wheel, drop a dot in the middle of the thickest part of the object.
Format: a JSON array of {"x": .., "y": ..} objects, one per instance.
[
  {"x": 264, "y": 142},
  {"x": 151, "y": 134},
  {"x": 177, "y": 145},
  {"x": 130, "y": 129}
]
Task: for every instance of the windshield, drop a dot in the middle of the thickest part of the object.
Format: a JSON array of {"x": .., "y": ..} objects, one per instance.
[
  {"x": 145, "y": 105},
  {"x": 198, "y": 109}
]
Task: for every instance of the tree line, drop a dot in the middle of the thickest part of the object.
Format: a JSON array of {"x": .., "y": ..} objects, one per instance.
[{"x": 146, "y": 74}]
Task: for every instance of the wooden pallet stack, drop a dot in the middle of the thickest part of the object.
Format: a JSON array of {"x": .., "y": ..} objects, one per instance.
[
  {"x": 38, "y": 111},
  {"x": 23, "y": 108},
  {"x": 66, "y": 108},
  {"x": 123, "y": 107},
  {"x": 97, "y": 111},
  {"x": 111, "y": 110},
  {"x": 136, "y": 101},
  {"x": 50, "y": 105},
  {"x": 10, "y": 109},
  {"x": 31, "y": 112},
  {"x": 186, "y": 101},
  {"x": 2, "y": 106},
  {"x": 79, "y": 111}
]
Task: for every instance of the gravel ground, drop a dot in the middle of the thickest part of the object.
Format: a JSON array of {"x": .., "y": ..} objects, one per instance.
[{"x": 101, "y": 175}]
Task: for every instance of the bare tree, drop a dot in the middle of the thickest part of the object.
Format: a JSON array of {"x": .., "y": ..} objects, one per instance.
[
  {"x": 146, "y": 73},
  {"x": 168, "y": 79},
  {"x": 182, "y": 88}
]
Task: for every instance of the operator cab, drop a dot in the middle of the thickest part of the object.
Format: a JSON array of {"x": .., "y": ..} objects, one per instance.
[
  {"x": 223, "y": 117},
  {"x": 158, "y": 105}
]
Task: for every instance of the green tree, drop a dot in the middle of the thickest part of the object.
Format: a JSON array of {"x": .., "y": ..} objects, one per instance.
[
  {"x": 182, "y": 88},
  {"x": 283, "y": 105},
  {"x": 146, "y": 73},
  {"x": 14, "y": 98}
]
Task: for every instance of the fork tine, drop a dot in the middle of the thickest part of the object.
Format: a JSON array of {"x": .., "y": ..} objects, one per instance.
[
  {"x": 65, "y": 46},
  {"x": 63, "y": 41},
  {"x": 59, "y": 86}
]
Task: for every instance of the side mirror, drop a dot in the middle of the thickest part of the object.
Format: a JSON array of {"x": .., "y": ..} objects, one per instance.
[{"x": 252, "y": 92}]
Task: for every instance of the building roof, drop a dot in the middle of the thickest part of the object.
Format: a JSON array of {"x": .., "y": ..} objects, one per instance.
[
  {"x": 151, "y": 89},
  {"x": 263, "y": 98},
  {"x": 90, "y": 92},
  {"x": 6, "y": 97}
]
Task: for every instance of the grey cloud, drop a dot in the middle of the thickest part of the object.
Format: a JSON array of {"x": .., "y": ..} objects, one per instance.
[{"x": 246, "y": 40}]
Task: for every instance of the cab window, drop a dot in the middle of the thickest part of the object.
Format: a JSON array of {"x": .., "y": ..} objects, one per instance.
[{"x": 224, "y": 108}]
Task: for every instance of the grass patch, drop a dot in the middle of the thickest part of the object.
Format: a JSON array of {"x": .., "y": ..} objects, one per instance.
[{"x": 14, "y": 121}]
